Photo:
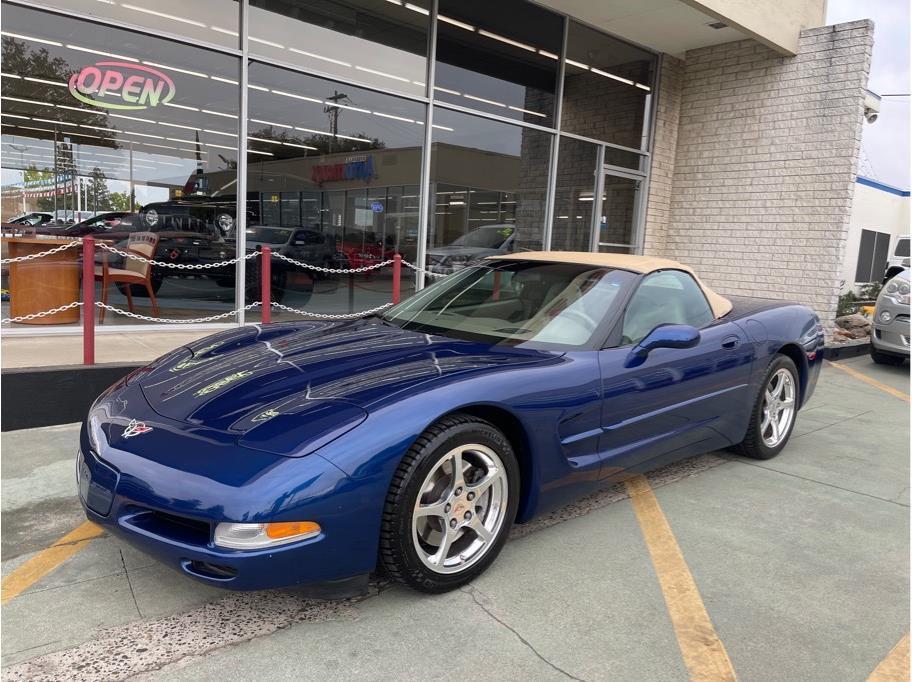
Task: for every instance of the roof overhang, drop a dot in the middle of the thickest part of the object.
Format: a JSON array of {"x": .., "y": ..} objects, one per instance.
[{"x": 676, "y": 26}]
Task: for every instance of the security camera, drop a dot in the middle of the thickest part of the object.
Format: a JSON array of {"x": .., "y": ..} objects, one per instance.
[{"x": 871, "y": 106}]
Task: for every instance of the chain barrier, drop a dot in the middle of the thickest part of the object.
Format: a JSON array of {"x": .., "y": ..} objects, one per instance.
[
  {"x": 220, "y": 264},
  {"x": 177, "y": 266},
  {"x": 333, "y": 271},
  {"x": 195, "y": 320},
  {"x": 418, "y": 268},
  {"x": 42, "y": 254},
  {"x": 328, "y": 316},
  {"x": 167, "y": 320},
  {"x": 45, "y": 313}
]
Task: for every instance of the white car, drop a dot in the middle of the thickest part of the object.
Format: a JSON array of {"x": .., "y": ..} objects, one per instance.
[{"x": 484, "y": 241}]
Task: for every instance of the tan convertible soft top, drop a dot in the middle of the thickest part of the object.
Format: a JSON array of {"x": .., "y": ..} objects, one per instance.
[{"x": 720, "y": 305}]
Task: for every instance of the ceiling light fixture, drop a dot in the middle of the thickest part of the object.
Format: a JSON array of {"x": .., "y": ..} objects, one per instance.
[{"x": 319, "y": 56}]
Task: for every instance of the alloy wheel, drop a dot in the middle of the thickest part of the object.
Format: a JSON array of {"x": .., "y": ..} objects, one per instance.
[
  {"x": 460, "y": 508},
  {"x": 778, "y": 407}
]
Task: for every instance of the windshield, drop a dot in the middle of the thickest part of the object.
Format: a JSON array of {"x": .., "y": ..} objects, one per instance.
[
  {"x": 517, "y": 303},
  {"x": 32, "y": 219},
  {"x": 109, "y": 221},
  {"x": 268, "y": 235},
  {"x": 488, "y": 237}
]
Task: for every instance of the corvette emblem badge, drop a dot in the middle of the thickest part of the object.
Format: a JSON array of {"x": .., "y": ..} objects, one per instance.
[{"x": 135, "y": 428}]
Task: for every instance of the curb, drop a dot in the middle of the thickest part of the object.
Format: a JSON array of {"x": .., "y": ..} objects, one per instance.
[
  {"x": 847, "y": 351},
  {"x": 45, "y": 396}
]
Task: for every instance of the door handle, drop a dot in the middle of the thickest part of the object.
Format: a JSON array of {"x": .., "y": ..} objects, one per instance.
[{"x": 731, "y": 342}]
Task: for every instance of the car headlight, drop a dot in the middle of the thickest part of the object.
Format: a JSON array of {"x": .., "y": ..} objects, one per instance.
[
  {"x": 457, "y": 261},
  {"x": 898, "y": 291},
  {"x": 885, "y": 316},
  {"x": 93, "y": 431},
  {"x": 261, "y": 535}
]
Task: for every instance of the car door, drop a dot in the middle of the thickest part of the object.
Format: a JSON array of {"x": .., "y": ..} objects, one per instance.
[{"x": 678, "y": 401}]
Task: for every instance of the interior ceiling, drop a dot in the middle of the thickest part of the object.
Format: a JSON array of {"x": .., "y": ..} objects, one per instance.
[{"x": 663, "y": 25}]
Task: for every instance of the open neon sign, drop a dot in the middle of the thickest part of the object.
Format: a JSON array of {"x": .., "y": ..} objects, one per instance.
[{"x": 136, "y": 86}]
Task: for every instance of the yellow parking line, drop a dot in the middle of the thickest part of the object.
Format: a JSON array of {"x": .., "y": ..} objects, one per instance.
[
  {"x": 895, "y": 667},
  {"x": 702, "y": 650},
  {"x": 896, "y": 393},
  {"x": 47, "y": 560}
]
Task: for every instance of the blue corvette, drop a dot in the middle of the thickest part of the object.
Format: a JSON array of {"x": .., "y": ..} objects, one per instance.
[{"x": 313, "y": 452}]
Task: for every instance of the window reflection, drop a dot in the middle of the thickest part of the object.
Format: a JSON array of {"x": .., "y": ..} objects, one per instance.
[
  {"x": 489, "y": 183},
  {"x": 577, "y": 171},
  {"x": 339, "y": 166},
  {"x": 488, "y": 59},
  {"x": 115, "y": 145},
  {"x": 209, "y": 21},
  {"x": 618, "y": 215},
  {"x": 378, "y": 42},
  {"x": 607, "y": 89}
]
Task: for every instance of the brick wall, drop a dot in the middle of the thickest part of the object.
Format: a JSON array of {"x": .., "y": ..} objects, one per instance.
[
  {"x": 664, "y": 149},
  {"x": 764, "y": 164}
]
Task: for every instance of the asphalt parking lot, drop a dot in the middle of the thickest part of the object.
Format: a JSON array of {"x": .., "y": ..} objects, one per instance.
[{"x": 714, "y": 568}]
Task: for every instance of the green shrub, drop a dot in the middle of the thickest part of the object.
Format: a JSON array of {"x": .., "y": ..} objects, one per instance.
[{"x": 848, "y": 304}]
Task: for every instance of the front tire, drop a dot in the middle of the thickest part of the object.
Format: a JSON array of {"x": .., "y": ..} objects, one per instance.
[
  {"x": 775, "y": 409},
  {"x": 886, "y": 358},
  {"x": 450, "y": 506}
]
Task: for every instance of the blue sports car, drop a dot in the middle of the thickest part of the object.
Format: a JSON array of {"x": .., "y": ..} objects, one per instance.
[{"x": 318, "y": 452}]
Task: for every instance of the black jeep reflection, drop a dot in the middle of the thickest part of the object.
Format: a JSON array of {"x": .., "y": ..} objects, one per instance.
[{"x": 192, "y": 214}]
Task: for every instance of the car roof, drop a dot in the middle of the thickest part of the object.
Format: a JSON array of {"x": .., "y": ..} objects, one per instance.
[{"x": 720, "y": 305}]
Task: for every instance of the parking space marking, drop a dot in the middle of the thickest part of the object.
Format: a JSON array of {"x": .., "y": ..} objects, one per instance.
[
  {"x": 895, "y": 667},
  {"x": 47, "y": 560},
  {"x": 896, "y": 393},
  {"x": 703, "y": 652}
]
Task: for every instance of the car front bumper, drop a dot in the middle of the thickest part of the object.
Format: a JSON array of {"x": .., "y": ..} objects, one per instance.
[
  {"x": 892, "y": 337},
  {"x": 181, "y": 537}
]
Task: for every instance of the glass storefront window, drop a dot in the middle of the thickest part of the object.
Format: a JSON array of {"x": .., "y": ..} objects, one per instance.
[
  {"x": 342, "y": 165},
  {"x": 114, "y": 132},
  {"x": 489, "y": 182},
  {"x": 208, "y": 21},
  {"x": 498, "y": 57},
  {"x": 607, "y": 89},
  {"x": 577, "y": 172},
  {"x": 113, "y": 145},
  {"x": 382, "y": 43},
  {"x": 617, "y": 221}
]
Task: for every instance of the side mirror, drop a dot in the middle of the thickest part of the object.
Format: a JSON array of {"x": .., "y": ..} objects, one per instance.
[{"x": 663, "y": 336}]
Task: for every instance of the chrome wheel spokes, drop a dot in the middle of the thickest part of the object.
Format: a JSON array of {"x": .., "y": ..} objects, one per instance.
[
  {"x": 778, "y": 410},
  {"x": 460, "y": 508}
]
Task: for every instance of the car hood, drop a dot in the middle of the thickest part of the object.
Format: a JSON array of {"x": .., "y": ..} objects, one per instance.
[{"x": 285, "y": 384}]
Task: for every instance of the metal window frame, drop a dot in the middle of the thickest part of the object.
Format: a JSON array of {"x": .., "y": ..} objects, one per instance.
[
  {"x": 551, "y": 196},
  {"x": 424, "y": 182},
  {"x": 240, "y": 220}
]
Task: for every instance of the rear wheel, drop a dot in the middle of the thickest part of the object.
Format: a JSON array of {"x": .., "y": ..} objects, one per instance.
[
  {"x": 774, "y": 412},
  {"x": 450, "y": 506}
]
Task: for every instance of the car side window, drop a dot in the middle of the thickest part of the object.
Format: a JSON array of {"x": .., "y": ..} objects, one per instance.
[
  {"x": 664, "y": 297},
  {"x": 308, "y": 237}
]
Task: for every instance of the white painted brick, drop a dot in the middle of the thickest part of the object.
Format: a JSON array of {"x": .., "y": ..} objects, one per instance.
[{"x": 754, "y": 163}]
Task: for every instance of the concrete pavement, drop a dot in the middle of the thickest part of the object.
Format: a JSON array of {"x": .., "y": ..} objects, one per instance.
[{"x": 801, "y": 562}]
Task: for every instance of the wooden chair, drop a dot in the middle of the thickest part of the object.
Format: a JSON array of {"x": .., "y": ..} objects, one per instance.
[{"x": 143, "y": 244}]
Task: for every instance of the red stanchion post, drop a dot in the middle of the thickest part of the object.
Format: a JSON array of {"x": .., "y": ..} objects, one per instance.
[
  {"x": 397, "y": 278},
  {"x": 266, "y": 284},
  {"x": 88, "y": 300}
]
